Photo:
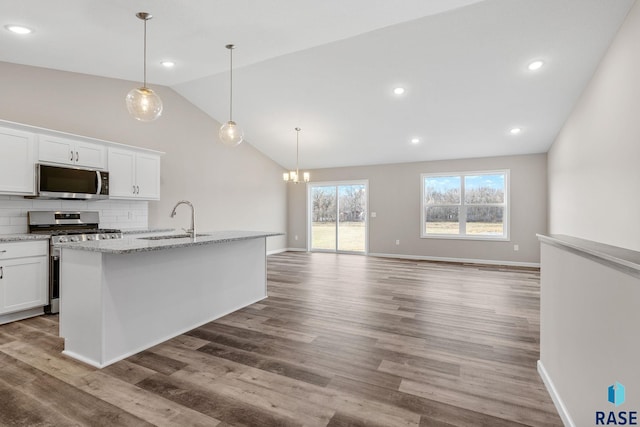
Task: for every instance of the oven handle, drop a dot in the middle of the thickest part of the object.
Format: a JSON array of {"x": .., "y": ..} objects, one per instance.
[{"x": 99, "y": 178}]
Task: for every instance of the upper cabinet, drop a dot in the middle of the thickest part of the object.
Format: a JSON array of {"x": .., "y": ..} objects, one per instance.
[
  {"x": 133, "y": 174},
  {"x": 17, "y": 158},
  {"x": 53, "y": 149}
]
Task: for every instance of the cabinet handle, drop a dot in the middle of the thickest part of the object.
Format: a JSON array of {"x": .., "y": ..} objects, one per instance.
[
  {"x": 134, "y": 189},
  {"x": 137, "y": 189},
  {"x": 3, "y": 251},
  {"x": 77, "y": 156},
  {"x": 71, "y": 155},
  {"x": 1, "y": 272}
]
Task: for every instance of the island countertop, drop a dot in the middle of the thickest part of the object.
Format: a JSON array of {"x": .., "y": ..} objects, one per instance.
[
  {"x": 129, "y": 245},
  {"x": 24, "y": 237}
]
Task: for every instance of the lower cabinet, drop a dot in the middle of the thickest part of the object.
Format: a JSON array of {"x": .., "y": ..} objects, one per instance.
[{"x": 23, "y": 276}]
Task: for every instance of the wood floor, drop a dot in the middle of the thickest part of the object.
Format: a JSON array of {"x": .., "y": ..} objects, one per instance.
[{"x": 342, "y": 340}]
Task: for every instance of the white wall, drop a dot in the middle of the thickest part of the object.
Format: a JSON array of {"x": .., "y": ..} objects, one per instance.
[
  {"x": 231, "y": 188},
  {"x": 394, "y": 194},
  {"x": 594, "y": 164}
]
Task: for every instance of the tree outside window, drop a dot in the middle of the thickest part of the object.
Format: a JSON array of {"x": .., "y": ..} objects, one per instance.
[{"x": 465, "y": 205}]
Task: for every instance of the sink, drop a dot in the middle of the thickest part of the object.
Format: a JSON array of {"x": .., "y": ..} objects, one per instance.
[{"x": 171, "y": 236}]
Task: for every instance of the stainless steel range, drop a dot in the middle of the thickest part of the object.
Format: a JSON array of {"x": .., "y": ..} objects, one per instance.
[{"x": 66, "y": 227}]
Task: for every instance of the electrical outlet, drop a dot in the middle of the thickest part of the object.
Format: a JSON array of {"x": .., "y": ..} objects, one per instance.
[
  {"x": 373, "y": 214},
  {"x": 295, "y": 237},
  {"x": 397, "y": 242},
  {"x": 516, "y": 247}
]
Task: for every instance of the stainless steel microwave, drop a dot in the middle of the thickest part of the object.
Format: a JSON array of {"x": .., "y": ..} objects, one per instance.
[{"x": 59, "y": 182}]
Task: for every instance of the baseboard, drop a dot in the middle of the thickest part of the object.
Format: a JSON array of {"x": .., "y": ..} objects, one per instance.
[
  {"x": 20, "y": 315},
  {"x": 277, "y": 251},
  {"x": 295, "y": 250},
  {"x": 557, "y": 401},
  {"x": 459, "y": 260}
]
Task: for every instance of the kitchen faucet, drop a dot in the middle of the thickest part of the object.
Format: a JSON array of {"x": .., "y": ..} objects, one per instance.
[{"x": 192, "y": 230}]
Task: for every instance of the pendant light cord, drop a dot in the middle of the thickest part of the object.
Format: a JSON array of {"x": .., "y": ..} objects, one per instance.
[
  {"x": 230, "y": 47},
  {"x": 144, "y": 84},
  {"x": 297, "y": 152}
]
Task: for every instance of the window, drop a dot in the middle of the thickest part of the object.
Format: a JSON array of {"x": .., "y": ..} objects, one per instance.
[{"x": 470, "y": 205}]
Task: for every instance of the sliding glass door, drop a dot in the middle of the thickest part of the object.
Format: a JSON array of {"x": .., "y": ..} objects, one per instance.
[{"x": 338, "y": 216}]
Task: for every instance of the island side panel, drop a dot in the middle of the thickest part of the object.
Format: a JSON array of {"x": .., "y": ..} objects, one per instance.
[
  {"x": 153, "y": 296},
  {"x": 81, "y": 305}
]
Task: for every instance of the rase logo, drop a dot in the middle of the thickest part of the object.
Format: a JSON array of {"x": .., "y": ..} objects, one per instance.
[{"x": 616, "y": 394}]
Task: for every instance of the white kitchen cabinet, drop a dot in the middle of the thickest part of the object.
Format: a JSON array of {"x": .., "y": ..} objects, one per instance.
[
  {"x": 53, "y": 149},
  {"x": 17, "y": 158},
  {"x": 133, "y": 175},
  {"x": 23, "y": 275}
]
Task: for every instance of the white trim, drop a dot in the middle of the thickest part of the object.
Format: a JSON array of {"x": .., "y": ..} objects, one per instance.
[
  {"x": 20, "y": 315},
  {"x": 425, "y": 258},
  {"x": 557, "y": 401},
  {"x": 99, "y": 365},
  {"x": 460, "y": 260},
  {"x": 277, "y": 251}
]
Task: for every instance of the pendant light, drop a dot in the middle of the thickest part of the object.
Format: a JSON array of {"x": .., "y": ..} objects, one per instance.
[
  {"x": 230, "y": 133},
  {"x": 143, "y": 103},
  {"x": 294, "y": 176}
]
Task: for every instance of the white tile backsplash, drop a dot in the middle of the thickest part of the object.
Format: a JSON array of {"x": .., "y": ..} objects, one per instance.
[{"x": 121, "y": 214}]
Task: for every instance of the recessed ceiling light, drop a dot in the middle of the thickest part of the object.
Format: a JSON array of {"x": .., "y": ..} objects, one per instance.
[
  {"x": 167, "y": 64},
  {"x": 535, "y": 65},
  {"x": 515, "y": 131},
  {"x": 415, "y": 140},
  {"x": 398, "y": 90},
  {"x": 18, "y": 29}
]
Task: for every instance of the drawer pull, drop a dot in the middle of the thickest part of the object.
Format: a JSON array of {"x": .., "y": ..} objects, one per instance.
[
  {"x": 1, "y": 272},
  {"x": 4, "y": 251}
]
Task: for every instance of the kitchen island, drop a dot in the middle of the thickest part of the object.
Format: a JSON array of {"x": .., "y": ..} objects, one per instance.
[{"x": 119, "y": 297}]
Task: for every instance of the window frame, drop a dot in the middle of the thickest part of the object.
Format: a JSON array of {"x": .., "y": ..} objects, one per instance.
[{"x": 462, "y": 213}]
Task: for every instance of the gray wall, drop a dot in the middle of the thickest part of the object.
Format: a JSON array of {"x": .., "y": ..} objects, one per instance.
[
  {"x": 231, "y": 188},
  {"x": 394, "y": 194},
  {"x": 594, "y": 171},
  {"x": 589, "y": 313}
]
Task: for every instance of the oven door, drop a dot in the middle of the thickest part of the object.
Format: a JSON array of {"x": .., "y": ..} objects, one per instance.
[{"x": 57, "y": 182}]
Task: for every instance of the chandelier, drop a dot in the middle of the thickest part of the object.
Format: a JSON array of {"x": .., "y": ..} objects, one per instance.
[{"x": 294, "y": 176}]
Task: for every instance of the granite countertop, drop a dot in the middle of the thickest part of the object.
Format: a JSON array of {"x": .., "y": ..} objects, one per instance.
[
  {"x": 612, "y": 255},
  {"x": 147, "y": 230},
  {"x": 129, "y": 245},
  {"x": 23, "y": 237}
]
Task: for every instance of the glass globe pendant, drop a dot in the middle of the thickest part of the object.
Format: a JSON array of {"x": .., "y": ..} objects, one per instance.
[
  {"x": 230, "y": 133},
  {"x": 143, "y": 103}
]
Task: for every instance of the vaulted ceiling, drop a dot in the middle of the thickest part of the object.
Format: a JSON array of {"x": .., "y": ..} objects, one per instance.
[{"x": 330, "y": 67}]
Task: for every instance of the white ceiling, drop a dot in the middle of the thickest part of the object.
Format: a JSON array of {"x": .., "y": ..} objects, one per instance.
[{"x": 329, "y": 67}]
